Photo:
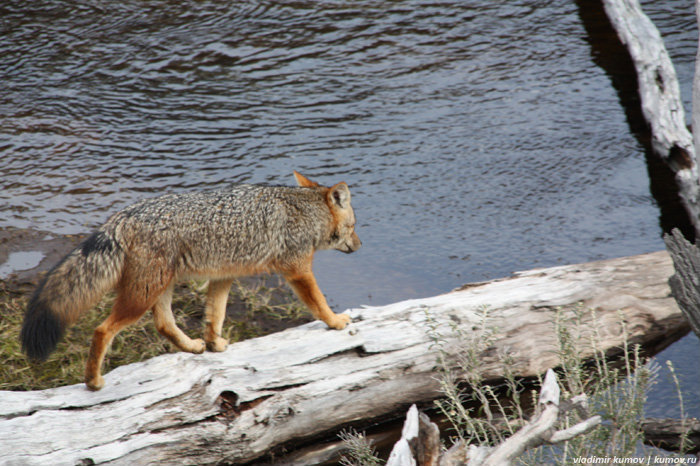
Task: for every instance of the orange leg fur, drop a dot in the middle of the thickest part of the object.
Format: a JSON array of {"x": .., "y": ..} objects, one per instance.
[
  {"x": 166, "y": 325},
  {"x": 214, "y": 314},
  {"x": 305, "y": 286},
  {"x": 122, "y": 315}
]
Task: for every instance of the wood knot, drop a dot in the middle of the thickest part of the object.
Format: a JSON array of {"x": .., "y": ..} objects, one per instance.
[
  {"x": 679, "y": 157},
  {"x": 230, "y": 407},
  {"x": 660, "y": 80}
]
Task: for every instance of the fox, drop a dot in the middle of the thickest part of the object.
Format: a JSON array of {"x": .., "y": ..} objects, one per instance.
[{"x": 142, "y": 251}]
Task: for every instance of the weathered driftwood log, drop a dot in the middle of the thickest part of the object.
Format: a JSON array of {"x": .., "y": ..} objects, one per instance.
[
  {"x": 685, "y": 283},
  {"x": 286, "y": 388},
  {"x": 660, "y": 98},
  {"x": 696, "y": 92},
  {"x": 419, "y": 435},
  {"x": 419, "y": 443}
]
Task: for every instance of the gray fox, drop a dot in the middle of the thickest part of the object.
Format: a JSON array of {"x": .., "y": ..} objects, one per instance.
[{"x": 143, "y": 250}]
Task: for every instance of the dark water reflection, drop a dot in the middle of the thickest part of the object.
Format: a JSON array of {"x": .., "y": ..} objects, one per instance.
[{"x": 478, "y": 137}]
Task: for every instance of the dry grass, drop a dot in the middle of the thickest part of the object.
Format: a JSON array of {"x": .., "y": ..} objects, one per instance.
[{"x": 258, "y": 307}]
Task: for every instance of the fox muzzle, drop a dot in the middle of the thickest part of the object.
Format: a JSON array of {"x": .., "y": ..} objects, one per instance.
[{"x": 352, "y": 245}]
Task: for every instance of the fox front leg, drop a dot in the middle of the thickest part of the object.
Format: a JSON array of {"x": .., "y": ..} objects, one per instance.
[
  {"x": 214, "y": 314},
  {"x": 305, "y": 286}
]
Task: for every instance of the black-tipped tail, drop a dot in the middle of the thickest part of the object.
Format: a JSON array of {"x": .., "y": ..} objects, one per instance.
[
  {"x": 41, "y": 330},
  {"x": 70, "y": 288}
]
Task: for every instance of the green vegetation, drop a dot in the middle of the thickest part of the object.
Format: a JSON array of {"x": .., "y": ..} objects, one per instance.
[
  {"x": 360, "y": 451},
  {"x": 616, "y": 391},
  {"x": 485, "y": 415},
  {"x": 256, "y": 307}
]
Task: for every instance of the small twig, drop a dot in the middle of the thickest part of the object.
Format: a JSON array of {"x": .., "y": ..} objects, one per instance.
[{"x": 574, "y": 431}]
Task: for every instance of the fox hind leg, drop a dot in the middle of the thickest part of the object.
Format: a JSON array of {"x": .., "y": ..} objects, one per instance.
[
  {"x": 214, "y": 314},
  {"x": 166, "y": 326},
  {"x": 122, "y": 315}
]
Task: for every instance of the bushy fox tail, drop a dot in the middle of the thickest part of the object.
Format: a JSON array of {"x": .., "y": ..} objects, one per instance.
[{"x": 73, "y": 286}]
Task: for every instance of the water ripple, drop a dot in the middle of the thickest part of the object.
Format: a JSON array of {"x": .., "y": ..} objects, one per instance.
[{"x": 480, "y": 130}]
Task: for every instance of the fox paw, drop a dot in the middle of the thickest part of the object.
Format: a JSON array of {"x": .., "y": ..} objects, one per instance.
[
  {"x": 95, "y": 383},
  {"x": 198, "y": 346},
  {"x": 340, "y": 321},
  {"x": 218, "y": 344}
]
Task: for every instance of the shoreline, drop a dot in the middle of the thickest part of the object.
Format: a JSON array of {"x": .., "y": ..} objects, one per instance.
[{"x": 25, "y": 253}]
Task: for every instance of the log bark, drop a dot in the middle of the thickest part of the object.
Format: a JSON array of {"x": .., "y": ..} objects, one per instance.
[
  {"x": 696, "y": 91},
  {"x": 659, "y": 93},
  {"x": 685, "y": 282},
  {"x": 419, "y": 443},
  {"x": 288, "y": 388}
]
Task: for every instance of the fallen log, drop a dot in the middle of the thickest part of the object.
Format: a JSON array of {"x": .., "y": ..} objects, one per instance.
[
  {"x": 287, "y": 388},
  {"x": 661, "y": 103},
  {"x": 684, "y": 282},
  {"x": 663, "y": 110}
]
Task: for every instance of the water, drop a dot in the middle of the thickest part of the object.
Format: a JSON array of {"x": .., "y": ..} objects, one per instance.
[
  {"x": 20, "y": 260},
  {"x": 478, "y": 137},
  {"x": 678, "y": 26}
]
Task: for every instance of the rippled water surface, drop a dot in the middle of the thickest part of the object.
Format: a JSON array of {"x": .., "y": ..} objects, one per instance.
[{"x": 478, "y": 137}]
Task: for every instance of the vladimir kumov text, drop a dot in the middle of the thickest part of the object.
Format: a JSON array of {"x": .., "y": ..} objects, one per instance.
[{"x": 633, "y": 460}]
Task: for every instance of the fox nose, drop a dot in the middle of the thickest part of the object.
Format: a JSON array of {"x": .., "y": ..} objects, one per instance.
[
  {"x": 353, "y": 245},
  {"x": 356, "y": 243}
]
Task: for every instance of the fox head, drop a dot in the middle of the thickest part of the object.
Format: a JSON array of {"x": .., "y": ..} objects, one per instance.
[{"x": 342, "y": 235}]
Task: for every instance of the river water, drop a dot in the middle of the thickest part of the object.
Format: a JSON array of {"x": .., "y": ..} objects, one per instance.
[{"x": 478, "y": 137}]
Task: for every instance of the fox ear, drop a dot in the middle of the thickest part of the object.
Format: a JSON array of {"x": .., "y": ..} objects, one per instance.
[
  {"x": 303, "y": 181},
  {"x": 339, "y": 195}
]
